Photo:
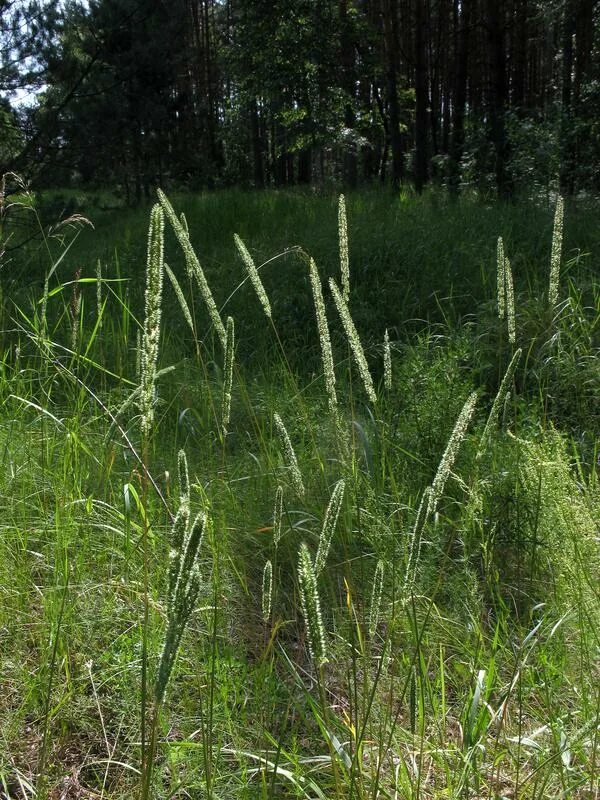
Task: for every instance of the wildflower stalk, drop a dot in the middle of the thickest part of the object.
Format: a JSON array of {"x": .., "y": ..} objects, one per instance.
[
  {"x": 354, "y": 341},
  {"x": 253, "y": 275},
  {"x": 329, "y": 525},
  {"x": 324, "y": 340},
  {"x": 556, "y": 253}
]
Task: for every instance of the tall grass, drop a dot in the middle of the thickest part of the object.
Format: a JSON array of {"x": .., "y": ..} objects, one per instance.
[{"x": 395, "y": 600}]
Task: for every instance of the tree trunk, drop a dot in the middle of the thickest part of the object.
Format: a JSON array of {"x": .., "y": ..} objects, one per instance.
[
  {"x": 421, "y": 97},
  {"x": 497, "y": 96},
  {"x": 567, "y": 166},
  {"x": 390, "y": 29},
  {"x": 461, "y": 49},
  {"x": 348, "y": 81}
]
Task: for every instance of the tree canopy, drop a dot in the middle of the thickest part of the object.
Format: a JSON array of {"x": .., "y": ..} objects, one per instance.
[{"x": 497, "y": 94}]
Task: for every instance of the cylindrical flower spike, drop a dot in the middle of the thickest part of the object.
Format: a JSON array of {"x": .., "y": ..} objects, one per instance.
[
  {"x": 329, "y": 525},
  {"x": 354, "y": 341},
  {"x": 289, "y": 455},
  {"x": 556, "y": 254},
  {"x": 324, "y": 340},
  {"x": 267, "y": 590},
  {"x": 151, "y": 333},
  {"x": 344, "y": 256},
  {"x": 311, "y": 608},
  {"x": 228, "y": 375}
]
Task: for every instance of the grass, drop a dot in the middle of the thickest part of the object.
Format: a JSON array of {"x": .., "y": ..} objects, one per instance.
[{"x": 455, "y": 652}]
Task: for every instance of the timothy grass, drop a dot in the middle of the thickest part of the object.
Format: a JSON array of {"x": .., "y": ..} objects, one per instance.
[{"x": 228, "y": 578}]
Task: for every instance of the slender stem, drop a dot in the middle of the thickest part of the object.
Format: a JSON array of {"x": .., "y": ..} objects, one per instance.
[{"x": 332, "y": 753}]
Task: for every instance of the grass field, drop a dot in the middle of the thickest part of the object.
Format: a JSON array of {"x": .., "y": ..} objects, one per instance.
[{"x": 376, "y": 581}]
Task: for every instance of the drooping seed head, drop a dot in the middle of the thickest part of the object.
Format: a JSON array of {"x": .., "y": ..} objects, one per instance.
[
  {"x": 329, "y": 525},
  {"x": 498, "y": 402},
  {"x": 289, "y": 455},
  {"x": 354, "y": 341},
  {"x": 253, "y": 275},
  {"x": 193, "y": 266},
  {"x": 451, "y": 451}
]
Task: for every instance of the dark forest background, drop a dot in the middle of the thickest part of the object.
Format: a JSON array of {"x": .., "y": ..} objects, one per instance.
[{"x": 498, "y": 95}]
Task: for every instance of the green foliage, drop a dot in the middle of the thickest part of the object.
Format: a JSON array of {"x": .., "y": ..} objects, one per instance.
[{"x": 416, "y": 576}]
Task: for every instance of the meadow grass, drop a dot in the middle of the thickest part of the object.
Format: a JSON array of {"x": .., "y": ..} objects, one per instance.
[{"x": 228, "y": 579}]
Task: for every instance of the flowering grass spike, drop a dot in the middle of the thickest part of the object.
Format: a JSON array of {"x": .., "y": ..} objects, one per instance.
[
  {"x": 311, "y": 607},
  {"x": 151, "y": 332},
  {"x": 323, "y": 330},
  {"x": 289, "y": 455},
  {"x": 253, "y": 275},
  {"x": 354, "y": 341}
]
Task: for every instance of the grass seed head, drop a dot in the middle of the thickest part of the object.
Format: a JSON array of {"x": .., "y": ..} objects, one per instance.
[
  {"x": 324, "y": 340},
  {"x": 151, "y": 332},
  {"x": 354, "y": 341},
  {"x": 387, "y": 361},
  {"x": 193, "y": 266},
  {"x": 416, "y": 538},
  {"x": 556, "y": 253},
  {"x": 376, "y": 594},
  {"x": 500, "y": 279},
  {"x": 499, "y": 400},
  {"x": 344, "y": 256},
  {"x": 228, "y": 375},
  {"x": 277, "y": 516},
  {"x": 329, "y": 525},
  {"x": 289, "y": 456},
  {"x": 451, "y": 451},
  {"x": 311, "y": 607},
  {"x": 267, "y": 590},
  {"x": 253, "y": 275},
  {"x": 510, "y": 302}
]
